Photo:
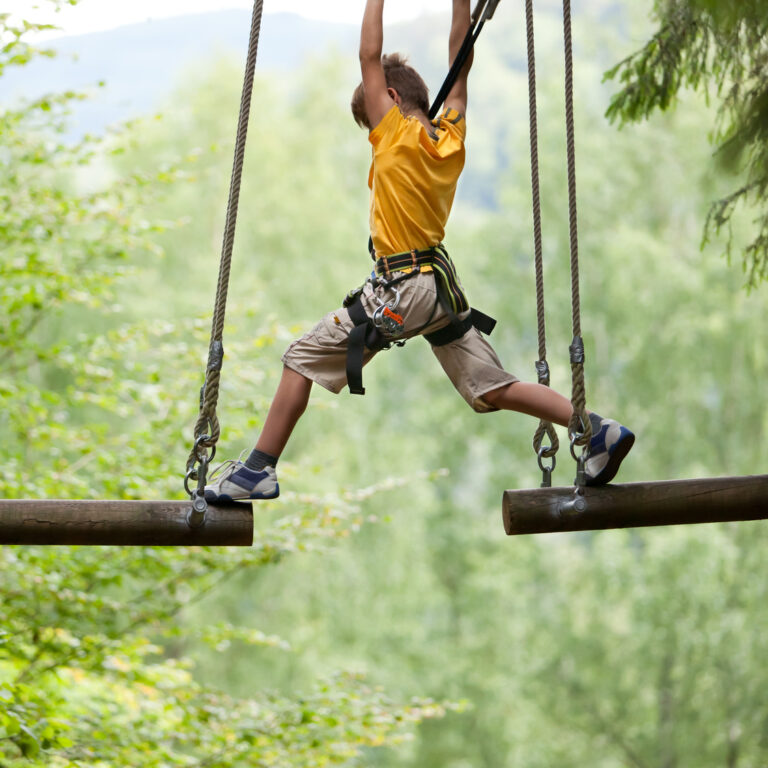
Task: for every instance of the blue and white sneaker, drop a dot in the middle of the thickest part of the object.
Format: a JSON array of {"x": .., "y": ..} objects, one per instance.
[
  {"x": 609, "y": 445},
  {"x": 236, "y": 482}
]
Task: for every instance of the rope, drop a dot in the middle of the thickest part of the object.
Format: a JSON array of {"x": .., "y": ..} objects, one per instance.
[
  {"x": 579, "y": 428},
  {"x": 207, "y": 430},
  {"x": 542, "y": 367}
]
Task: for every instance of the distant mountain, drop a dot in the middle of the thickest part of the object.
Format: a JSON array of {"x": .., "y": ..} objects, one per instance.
[{"x": 140, "y": 63}]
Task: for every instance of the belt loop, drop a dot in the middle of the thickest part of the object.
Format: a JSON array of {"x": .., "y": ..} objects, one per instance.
[
  {"x": 414, "y": 262},
  {"x": 387, "y": 273}
]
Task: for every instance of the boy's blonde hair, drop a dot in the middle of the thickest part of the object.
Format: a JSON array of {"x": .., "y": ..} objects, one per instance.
[{"x": 404, "y": 79}]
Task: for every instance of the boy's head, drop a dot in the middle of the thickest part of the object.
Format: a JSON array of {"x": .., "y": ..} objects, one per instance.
[{"x": 404, "y": 80}]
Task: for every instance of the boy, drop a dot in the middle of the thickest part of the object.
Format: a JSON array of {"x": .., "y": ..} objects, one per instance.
[{"x": 415, "y": 169}]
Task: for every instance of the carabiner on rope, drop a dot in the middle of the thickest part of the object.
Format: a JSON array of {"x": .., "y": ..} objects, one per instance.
[
  {"x": 203, "y": 459},
  {"x": 581, "y": 462},
  {"x": 546, "y": 472},
  {"x": 196, "y": 515}
]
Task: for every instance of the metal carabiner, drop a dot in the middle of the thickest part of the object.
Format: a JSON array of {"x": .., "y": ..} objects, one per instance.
[
  {"x": 383, "y": 303},
  {"x": 581, "y": 462},
  {"x": 204, "y": 457},
  {"x": 385, "y": 318},
  {"x": 196, "y": 515},
  {"x": 546, "y": 472},
  {"x": 191, "y": 475}
]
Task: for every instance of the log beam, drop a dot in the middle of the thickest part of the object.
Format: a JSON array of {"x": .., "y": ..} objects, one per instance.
[
  {"x": 630, "y": 505},
  {"x": 123, "y": 523}
]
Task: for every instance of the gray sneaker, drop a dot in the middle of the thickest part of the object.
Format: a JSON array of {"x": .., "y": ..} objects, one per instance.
[
  {"x": 609, "y": 445},
  {"x": 233, "y": 481}
]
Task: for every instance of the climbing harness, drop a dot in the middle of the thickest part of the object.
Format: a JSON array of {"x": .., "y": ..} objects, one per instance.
[
  {"x": 483, "y": 11},
  {"x": 207, "y": 429},
  {"x": 384, "y": 328},
  {"x": 579, "y": 428}
]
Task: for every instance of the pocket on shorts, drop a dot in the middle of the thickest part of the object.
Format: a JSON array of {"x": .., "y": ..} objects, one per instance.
[{"x": 334, "y": 329}]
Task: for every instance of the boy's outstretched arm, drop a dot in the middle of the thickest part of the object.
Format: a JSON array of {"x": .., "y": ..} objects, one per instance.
[
  {"x": 457, "y": 96},
  {"x": 378, "y": 99}
]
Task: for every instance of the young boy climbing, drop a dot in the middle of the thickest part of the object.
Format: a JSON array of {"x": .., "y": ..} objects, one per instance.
[{"x": 414, "y": 289}]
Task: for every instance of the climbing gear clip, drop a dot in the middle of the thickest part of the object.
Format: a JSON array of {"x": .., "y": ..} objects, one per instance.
[
  {"x": 386, "y": 319},
  {"x": 546, "y": 471},
  {"x": 581, "y": 462}
]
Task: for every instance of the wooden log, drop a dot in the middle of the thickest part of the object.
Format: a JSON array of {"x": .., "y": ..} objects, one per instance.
[
  {"x": 123, "y": 523},
  {"x": 670, "y": 502}
]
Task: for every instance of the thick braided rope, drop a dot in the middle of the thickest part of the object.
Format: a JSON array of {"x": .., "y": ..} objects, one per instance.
[
  {"x": 207, "y": 429},
  {"x": 579, "y": 426},
  {"x": 545, "y": 427}
]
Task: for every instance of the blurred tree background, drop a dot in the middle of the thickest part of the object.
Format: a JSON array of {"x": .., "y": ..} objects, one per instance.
[
  {"x": 381, "y": 592},
  {"x": 717, "y": 49}
]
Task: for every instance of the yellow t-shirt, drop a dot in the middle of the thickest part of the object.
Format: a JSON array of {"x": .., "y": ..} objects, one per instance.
[{"x": 413, "y": 180}]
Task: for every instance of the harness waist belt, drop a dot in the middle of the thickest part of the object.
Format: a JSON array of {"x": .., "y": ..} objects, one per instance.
[{"x": 401, "y": 261}]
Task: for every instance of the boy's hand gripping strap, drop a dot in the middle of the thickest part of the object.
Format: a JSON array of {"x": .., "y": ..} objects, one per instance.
[{"x": 484, "y": 11}]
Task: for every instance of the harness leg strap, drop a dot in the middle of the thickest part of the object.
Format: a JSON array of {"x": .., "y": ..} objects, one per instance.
[
  {"x": 356, "y": 347},
  {"x": 484, "y": 323},
  {"x": 355, "y": 352}
]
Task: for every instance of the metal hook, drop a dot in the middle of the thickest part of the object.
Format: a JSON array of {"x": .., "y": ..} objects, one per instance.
[
  {"x": 202, "y": 457},
  {"x": 546, "y": 472},
  {"x": 196, "y": 515},
  {"x": 383, "y": 304},
  {"x": 581, "y": 461}
]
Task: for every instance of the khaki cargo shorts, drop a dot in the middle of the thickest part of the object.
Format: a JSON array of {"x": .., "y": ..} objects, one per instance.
[{"x": 470, "y": 362}]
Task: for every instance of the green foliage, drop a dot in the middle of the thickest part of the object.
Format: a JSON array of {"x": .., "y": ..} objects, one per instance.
[
  {"x": 717, "y": 48},
  {"x": 80, "y": 680},
  {"x": 638, "y": 647}
]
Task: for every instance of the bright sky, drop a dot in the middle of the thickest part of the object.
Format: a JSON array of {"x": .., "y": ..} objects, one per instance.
[{"x": 96, "y": 15}]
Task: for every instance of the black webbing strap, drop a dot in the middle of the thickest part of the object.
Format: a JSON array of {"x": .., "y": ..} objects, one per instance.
[
  {"x": 451, "y": 332},
  {"x": 483, "y": 11},
  {"x": 364, "y": 334}
]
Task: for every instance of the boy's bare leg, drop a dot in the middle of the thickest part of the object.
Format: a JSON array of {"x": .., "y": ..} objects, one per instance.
[
  {"x": 533, "y": 399},
  {"x": 257, "y": 478},
  {"x": 610, "y": 440},
  {"x": 289, "y": 404}
]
